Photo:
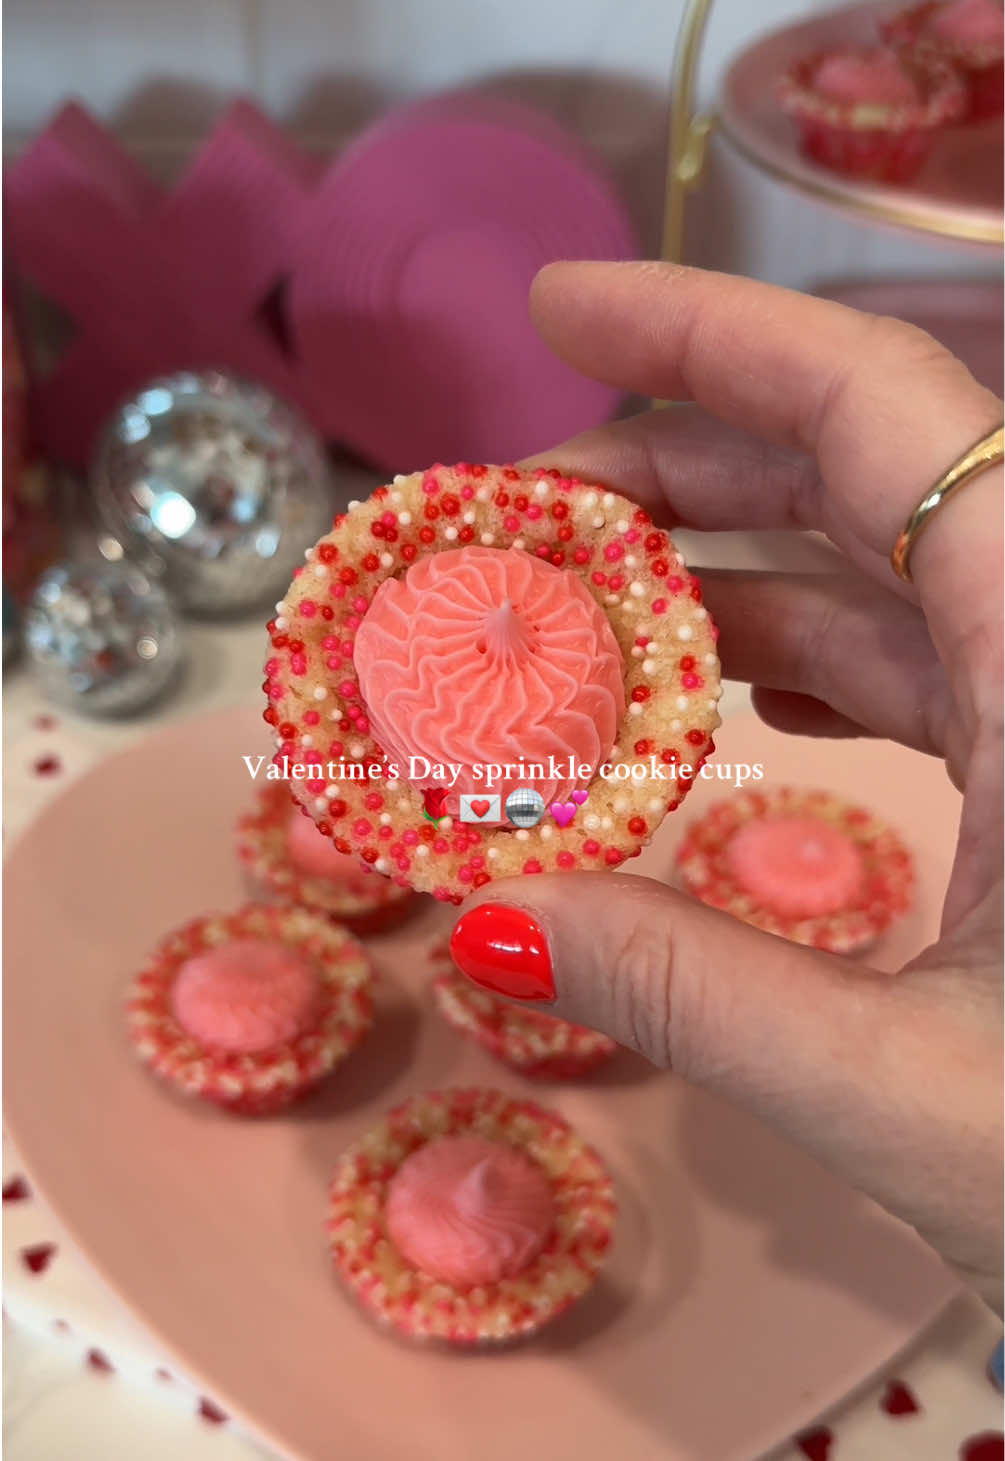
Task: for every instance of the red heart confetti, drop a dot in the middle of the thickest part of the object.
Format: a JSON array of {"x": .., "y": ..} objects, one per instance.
[
  {"x": 479, "y": 805},
  {"x": 988, "y": 1446},
  {"x": 897, "y": 1399},
  {"x": 97, "y": 1361},
  {"x": 211, "y": 1412},
  {"x": 48, "y": 766},
  {"x": 16, "y": 1190},
  {"x": 816, "y": 1444},
  {"x": 37, "y": 1258}
]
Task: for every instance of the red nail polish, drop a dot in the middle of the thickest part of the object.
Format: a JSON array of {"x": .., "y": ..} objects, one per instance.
[{"x": 504, "y": 949}]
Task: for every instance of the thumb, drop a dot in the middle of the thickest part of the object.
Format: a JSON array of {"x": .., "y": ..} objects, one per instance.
[{"x": 815, "y": 1044}]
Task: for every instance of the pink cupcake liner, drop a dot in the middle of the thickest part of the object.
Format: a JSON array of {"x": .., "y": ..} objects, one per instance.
[
  {"x": 527, "y": 1040},
  {"x": 366, "y": 903},
  {"x": 888, "y": 867},
  {"x": 260, "y": 1083},
  {"x": 419, "y": 1307},
  {"x": 884, "y": 143}
]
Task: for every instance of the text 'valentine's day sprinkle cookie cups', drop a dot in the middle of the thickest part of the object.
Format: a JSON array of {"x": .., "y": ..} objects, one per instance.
[
  {"x": 969, "y": 35},
  {"x": 470, "y": 1218},
  {"x": 283, "y": 851},
  {"x": 802, "y": 864},
  {"x": 472, "y": 630},
  {"x": 251, "y": 1010},
  {"x": 871, "y": 114},
  {"x": 536, "y": 1044}
]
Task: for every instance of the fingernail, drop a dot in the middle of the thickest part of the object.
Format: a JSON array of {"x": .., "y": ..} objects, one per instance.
[{"x": 505, "y": 950}]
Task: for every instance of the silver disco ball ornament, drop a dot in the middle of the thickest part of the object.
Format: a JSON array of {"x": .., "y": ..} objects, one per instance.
[
  {"x": 102, "y": 637},
  {"x": 217, "y": 485}
]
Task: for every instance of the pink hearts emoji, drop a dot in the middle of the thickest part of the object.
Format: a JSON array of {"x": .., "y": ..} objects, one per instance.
[
  {"x": 579, "y": 797},
  {"x": 563, "y": 812}
]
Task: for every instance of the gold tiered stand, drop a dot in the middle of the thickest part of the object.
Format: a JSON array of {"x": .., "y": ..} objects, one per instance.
[{"x": 957, "y": 196}]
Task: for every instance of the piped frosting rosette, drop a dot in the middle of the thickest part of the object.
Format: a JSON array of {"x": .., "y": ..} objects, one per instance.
[{"x": 472, "y": 629}]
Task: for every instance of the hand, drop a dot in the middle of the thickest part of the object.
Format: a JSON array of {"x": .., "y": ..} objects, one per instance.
[{"x": 805, "y": 414}]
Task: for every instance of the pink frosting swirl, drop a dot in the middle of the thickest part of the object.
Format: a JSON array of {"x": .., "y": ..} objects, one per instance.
[
  {"x": 865, "y": 76},
  {"x": 974, "y": 21},
  {"x": 481, "y": 655},
  {"x": 245, "y": 996},
  {"x": 469, "y": 1211}
]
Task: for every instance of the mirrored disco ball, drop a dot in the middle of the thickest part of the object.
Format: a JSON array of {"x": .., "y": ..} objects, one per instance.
[
  {"x": 525, "y": 806},
  {"x": 217, "y": 484},
  {"x": 102, "y": 637}
]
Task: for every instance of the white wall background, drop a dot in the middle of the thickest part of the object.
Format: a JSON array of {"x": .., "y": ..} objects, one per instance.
[{"x": 160, "y": 70}]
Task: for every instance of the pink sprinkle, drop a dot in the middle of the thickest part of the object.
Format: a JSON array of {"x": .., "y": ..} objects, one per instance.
[
  {"x": 591, "y": 847},
  {"x": 511, "y": 523},
  {"x": 389, "y": 519},
  {"x": 632, "y": 536},
  {"x": 410, "y": 838},
  {"x": 298, "y": 664},
  {"x": 373, "y": 801},
  {"x": 329, "y": 642},
  {"x": 276, "y": 691},
  {"x": 362, "y": 724},
  {"x": 315, "y": 787},
  {"x": 335, "y": 749},
  {"x": 477, "y": 863},
  {"x": 311, "y": 717},
  {"x": 534, "y": 511},
  {"x": 347, "y": 648},
  {"x": 675, "y": 584},
  {"x": 272, "y": 667},
  {"x": 360, "y": 604},
  {"x": 565, "y": 859},
  {"x": 347, "y": 689},
  {"x": 464, "y": 873},
  {"x": 308, "y": 608},
  {"x": 352, "y": 622},
  {"x": 692, "y": 682},
  {"x": 337, "y": 590},
  {"x": 361, "y": 827},
  {"x": 430, "y": 486},
  {"x": 613, "y": 552},
  {"x": 660, "y": 606},
  {"x": 467, "y": 493},
  {"x": 616, "y": 581},
  {"x": 334, "y": 662},
  {"x": 599, "y": 578},
  {"x": 441, "y": 845},
  {"x": 385, "y": 833}
]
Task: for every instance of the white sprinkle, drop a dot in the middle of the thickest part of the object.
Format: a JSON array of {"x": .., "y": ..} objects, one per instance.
[
  {"x": 404, "y": 518},
  {"x": 615, "y": 752},
  {"x": 631, "y": 561},
  {"x": 621, "y": 804},
  {"x": 282, "y": 622},
  {"x": 353, "y": 505},
  {"x": 396, "y": 497},
  {"x": 321, "y": 569},
  {"x": 444, "y": 824},
  {"x": 611, "y": 599},
  {"x": 422, "y": 850},
  {"x": 609, "y": 499},
  {"x": 320, "y": 805},
  {"x": 606, "y": 823},
  {"x": 397, "y": 481},
  {"x": 403, "y": 804},
  {"x": 542, "y": 487},
  {"x": 519, "y": 542},
  {"x": 488, "y": 539},
  {"x": 682, "y": 702},
  {"x": 635, "y": 708},
  {"x": 492, "y": 852},
  {"x": 654, "y": 804},
  {"x": 468, "y": 517},
  {"x": 648, "y": 666},
  {"x": 281, "y": 607},
  {"x": 382, "y": 865},
  {"x": 637, "y": 651},
  {"x": 450, "y": 534},
  {"x": 685, "y": 632},
  {"x": 306, "y": 740},
  {"x": 331, "y": 791},
  {"x": 629, "y": 607},
  {"x": 320, "y": 692},
  {"x": 483, "y": 494},
  {"x": 589, "y": 499},
  {"x": 308, "y": 554},
  {"x": 385, "y": 819},
  {"x": 591, "y": 823},
  {"x": 636, "y": 589},
  {"x": 335, "y": 714},
  {"x": 711, "y": 704},
  {"x": 357, "y": 749},
  {"x": 545, "y": 831},
  {"x": 386, "y": 560},
  {"x": 622, "y": 525},
  {"x": 710, "y": 659},
  {"x": 676, "y": 726},
  {"x": 598, "y": 521},
  {"x": 522, "y": 834}
]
